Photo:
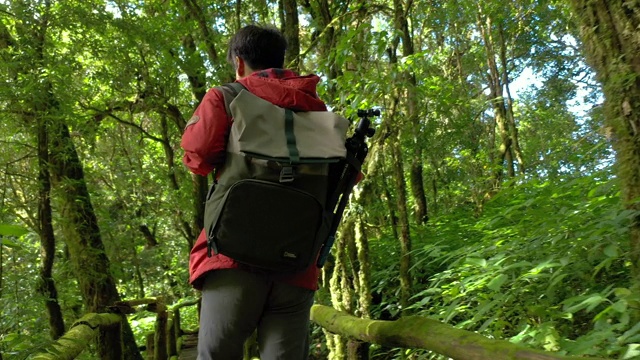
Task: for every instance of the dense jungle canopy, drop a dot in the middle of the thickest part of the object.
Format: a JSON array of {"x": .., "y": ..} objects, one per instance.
[{"x": 500, "y": 195}]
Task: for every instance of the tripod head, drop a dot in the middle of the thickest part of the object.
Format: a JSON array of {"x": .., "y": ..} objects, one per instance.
[
  {"x": 356, "y": 144},
  {"x": 368, "y": 112},
  {"x": 364, "y": 126}
]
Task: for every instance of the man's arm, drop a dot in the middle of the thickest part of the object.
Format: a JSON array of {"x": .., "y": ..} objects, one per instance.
[{"x": 205, "y": 137}]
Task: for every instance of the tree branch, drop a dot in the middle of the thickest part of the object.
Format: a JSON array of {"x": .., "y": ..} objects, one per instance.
[
  {"x": 136, "y": 126},
  {"x": 196, "y": 13}
]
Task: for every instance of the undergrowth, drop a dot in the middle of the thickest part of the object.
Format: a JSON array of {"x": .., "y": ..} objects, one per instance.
[{"x": 544, "y": 265}]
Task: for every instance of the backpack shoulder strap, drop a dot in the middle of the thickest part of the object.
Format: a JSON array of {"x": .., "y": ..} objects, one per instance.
[{"x": 229, "y": 92}]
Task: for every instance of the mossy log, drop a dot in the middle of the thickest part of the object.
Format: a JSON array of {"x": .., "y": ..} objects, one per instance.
[
  {"x": 414, "y": 332},
  {"x": 78, "y": 337},
  {"x": 185, "y": 303}
]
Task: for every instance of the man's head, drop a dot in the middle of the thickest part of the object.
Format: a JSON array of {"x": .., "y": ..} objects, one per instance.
[{"x": 256, "y": 48}]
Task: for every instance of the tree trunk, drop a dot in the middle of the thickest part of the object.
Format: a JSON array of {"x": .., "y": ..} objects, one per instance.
[
  {"x": 340, "y": 284},
  {"x": 358, "y": 349},
  {"x": 138, "y": 273},
  {"x": 609, "y": 30},
  {"x": 238, "y": 14},
  {"x": 416, "y": 177},
  {"x": 397, "y": 168},
  {"x": 320, "y": 11},
  {"x": 291, "y": 30},
  {"x": 513, "y": 129},
  {"x": 82, "y": 235},
  {"x": 46, "y": 286},
  {"x": 169, "y": 153},
  {"x": 199, "y": 15},
  {"x": 496, "y": 97},
  {"x": 405, "y": 236}
]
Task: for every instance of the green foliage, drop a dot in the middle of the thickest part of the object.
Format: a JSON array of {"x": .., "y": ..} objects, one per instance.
[
  {"x": 142, "y": 324},
  {"x": 22, "y": 331},
  {"x": 11, "y": 231},
  {"x": 544, "y": 265}
]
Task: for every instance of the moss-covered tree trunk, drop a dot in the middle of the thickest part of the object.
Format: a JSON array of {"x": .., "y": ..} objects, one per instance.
[
  {"x": 403, "y": 217},
  {"x": 397, "y": 171},
  {"x": 358, "y": 349},
  {"x": 341, "y": 285},
  {"x": 82, "y": 235},
  {"x": 609, "y": 30}
]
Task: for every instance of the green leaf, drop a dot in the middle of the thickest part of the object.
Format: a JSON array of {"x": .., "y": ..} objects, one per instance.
[
  {"x": 557, "y": 279},
  {"x": 9, "y": 243},
  {"x": 594, "y": 301},
  {"x": 496, "y": 283},
  {"x": 12, "y": 230},
  {"x": 620, "y": 306},
  {"x": 622, "y": 292},
  {"x": 476, "y": 261},
  {"x": 611, "y": 250},
  {"x": 633, "y": 350},
  {"x": 588, "y": 303},
  {"x": 630, "y": 333}
]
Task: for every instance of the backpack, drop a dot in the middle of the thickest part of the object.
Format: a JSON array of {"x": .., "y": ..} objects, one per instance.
[{"x": 269, "y": 207}]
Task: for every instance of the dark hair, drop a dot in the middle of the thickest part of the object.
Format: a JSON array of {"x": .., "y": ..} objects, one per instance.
[{"x": 260, "y": 47}]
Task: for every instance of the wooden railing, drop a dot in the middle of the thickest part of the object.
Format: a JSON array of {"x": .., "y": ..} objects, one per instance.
[
  {"x": 163, "y": 344},
  {"x": 411, "y": 332}
]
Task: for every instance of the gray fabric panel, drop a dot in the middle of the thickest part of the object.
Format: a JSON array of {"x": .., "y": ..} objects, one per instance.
[{"x": 259, "y": 128}]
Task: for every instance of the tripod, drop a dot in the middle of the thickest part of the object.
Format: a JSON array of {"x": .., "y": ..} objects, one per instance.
[{"x": 357, "y": 151}]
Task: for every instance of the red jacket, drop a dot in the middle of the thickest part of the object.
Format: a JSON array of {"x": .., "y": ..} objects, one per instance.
[{"x": 204, "y": 142}]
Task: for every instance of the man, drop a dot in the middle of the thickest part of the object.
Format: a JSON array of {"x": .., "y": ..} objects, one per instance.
[{"x": 237, "y": 299}]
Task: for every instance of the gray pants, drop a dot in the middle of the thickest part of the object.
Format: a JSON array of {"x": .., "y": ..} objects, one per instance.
[{"x": 235, "y": 302}]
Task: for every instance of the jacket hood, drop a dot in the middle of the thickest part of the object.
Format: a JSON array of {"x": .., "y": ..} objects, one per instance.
[{"x": 285, "y": 89}]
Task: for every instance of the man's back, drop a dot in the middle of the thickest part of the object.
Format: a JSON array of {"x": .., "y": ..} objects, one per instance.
[{"x": 236, "y": 299}]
